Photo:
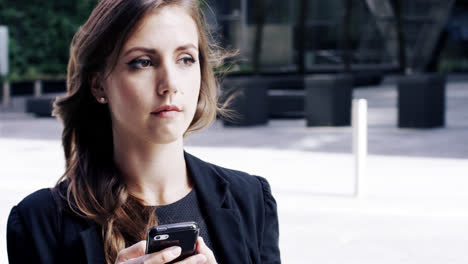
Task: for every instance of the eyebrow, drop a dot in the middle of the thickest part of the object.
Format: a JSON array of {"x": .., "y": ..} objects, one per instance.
[{"x": 153, "y": 51}]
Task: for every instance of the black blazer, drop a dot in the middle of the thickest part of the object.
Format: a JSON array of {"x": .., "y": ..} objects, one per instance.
[{"x": 239, "y": 211}]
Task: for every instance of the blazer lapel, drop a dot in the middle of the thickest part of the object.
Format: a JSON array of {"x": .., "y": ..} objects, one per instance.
[
  {"x": 222, "y": 216},
  {"x": 92, "y": 245}
]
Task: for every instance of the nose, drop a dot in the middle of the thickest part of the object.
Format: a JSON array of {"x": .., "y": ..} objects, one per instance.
[{"x": 165, "y": 80}]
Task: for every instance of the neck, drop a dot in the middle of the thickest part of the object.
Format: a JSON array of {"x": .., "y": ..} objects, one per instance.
[{"x": 155, "y": 173}]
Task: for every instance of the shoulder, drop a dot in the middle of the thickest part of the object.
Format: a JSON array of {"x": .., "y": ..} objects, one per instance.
[
  {"x": 38, "y": 221},
  {"x": 238, "y": 178},
  {"x": 34, "y": 218},
  {"x": 42, "y": 209},
  {"x": 240, "y": 182},
  {"x": 235, "y": 177},
  {"x": 249, "y": 190},
  {"x": 39, "y": 205},
  {"x": 42, "y": 197}
]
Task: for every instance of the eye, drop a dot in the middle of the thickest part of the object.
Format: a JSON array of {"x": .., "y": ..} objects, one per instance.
[
  {"x": 187, "y": 60},
  {"x": 140, "y": 63}
]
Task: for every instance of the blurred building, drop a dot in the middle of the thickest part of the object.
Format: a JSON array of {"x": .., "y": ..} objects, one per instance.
[{"x": 361, "y": 33}]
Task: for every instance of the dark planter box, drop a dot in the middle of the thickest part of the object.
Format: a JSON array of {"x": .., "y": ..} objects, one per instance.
[
  {"x": 286, "y": 82},
  {"x": 22, "y": 88},
  {"x": 286, "y": 96},
  {"x": 286, "y": 103},
  {"x": 41, "y": 106},
  {"x": 54, "y": 86},
  {"x": 48, "y": 86},
  {"x": 421, "y": 101},
  {"x": 366, "y": 78},
  {"x": 250, "y": 102},
  {"x": 328, "y": 100}
]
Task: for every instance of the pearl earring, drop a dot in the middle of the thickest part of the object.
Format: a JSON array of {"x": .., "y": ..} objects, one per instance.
[{"x": 102, "y": 99}]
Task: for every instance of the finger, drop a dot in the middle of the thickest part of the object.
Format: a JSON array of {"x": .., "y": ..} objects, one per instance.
[
  {"x": 134, "y": 251},
  {"x": 205, "y": 250},
  {"x": 195, "y": 259},
  {"x": 163, "y": 256}
]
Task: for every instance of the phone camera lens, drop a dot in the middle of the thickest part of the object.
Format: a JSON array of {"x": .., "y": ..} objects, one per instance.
[{"x": 157, "y": 237}]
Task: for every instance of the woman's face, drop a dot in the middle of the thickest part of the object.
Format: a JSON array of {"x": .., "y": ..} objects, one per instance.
[{"x": 153, "y": 90}]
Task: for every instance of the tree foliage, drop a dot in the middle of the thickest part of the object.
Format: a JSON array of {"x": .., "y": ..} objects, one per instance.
[{"x": 40, "y": 33}]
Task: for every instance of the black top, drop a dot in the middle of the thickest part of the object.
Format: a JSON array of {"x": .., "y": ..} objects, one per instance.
[
  {"x": 239, "y": 209},
  {"x": 186, "y": 209}
]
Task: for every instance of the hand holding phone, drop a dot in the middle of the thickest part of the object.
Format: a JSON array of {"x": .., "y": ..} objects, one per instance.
[
  {"x": 135, "y": 254},
  {"x": 153, "y": 250},
  {"x": 184, "y": 235}
]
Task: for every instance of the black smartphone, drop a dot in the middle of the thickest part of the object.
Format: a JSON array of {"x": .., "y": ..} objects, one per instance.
[{"x": 184, "y": 235}]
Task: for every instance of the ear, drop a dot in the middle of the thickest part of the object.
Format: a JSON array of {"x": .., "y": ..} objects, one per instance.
[{"x": 96, "y": 86}]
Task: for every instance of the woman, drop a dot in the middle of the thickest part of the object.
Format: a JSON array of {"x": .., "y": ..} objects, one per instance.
[{"x": 140, "y": 78}]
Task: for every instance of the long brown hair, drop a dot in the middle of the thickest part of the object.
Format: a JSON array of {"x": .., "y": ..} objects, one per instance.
[{"x": 95, "y": 190}]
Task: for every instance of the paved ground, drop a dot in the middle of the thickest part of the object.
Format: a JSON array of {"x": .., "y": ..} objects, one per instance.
[{"x": 412, "y": 207}]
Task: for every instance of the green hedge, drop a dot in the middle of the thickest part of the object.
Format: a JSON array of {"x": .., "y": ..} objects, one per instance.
[{"x": 40, "y": 33}]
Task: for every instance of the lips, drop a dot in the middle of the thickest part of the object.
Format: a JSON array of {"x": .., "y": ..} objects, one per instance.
[
  {"x": 166, "y": 108},
  {"x": 167, "y": 111}
]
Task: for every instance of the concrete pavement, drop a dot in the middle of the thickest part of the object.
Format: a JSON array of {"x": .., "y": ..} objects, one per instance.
[{"x": 413, "y": 206}]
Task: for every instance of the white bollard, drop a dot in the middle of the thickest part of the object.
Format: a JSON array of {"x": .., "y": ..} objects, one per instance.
[
  {"x": 243, "y": 24},
  {"x": 4, "y": 51},
  {"x": 6, "y": 94},
  {"x": 37, "y": 88},
  {"x": 359, "y": 123},
  {"x": 4, "y": 65}
]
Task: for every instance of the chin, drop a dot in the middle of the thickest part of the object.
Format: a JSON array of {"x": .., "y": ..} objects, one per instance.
[
  {"x": 167, "y": 137},
  {"x": 167, "y": 133}
]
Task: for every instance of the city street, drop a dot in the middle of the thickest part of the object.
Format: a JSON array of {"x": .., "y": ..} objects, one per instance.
[{"x": 411, "y": 207}]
